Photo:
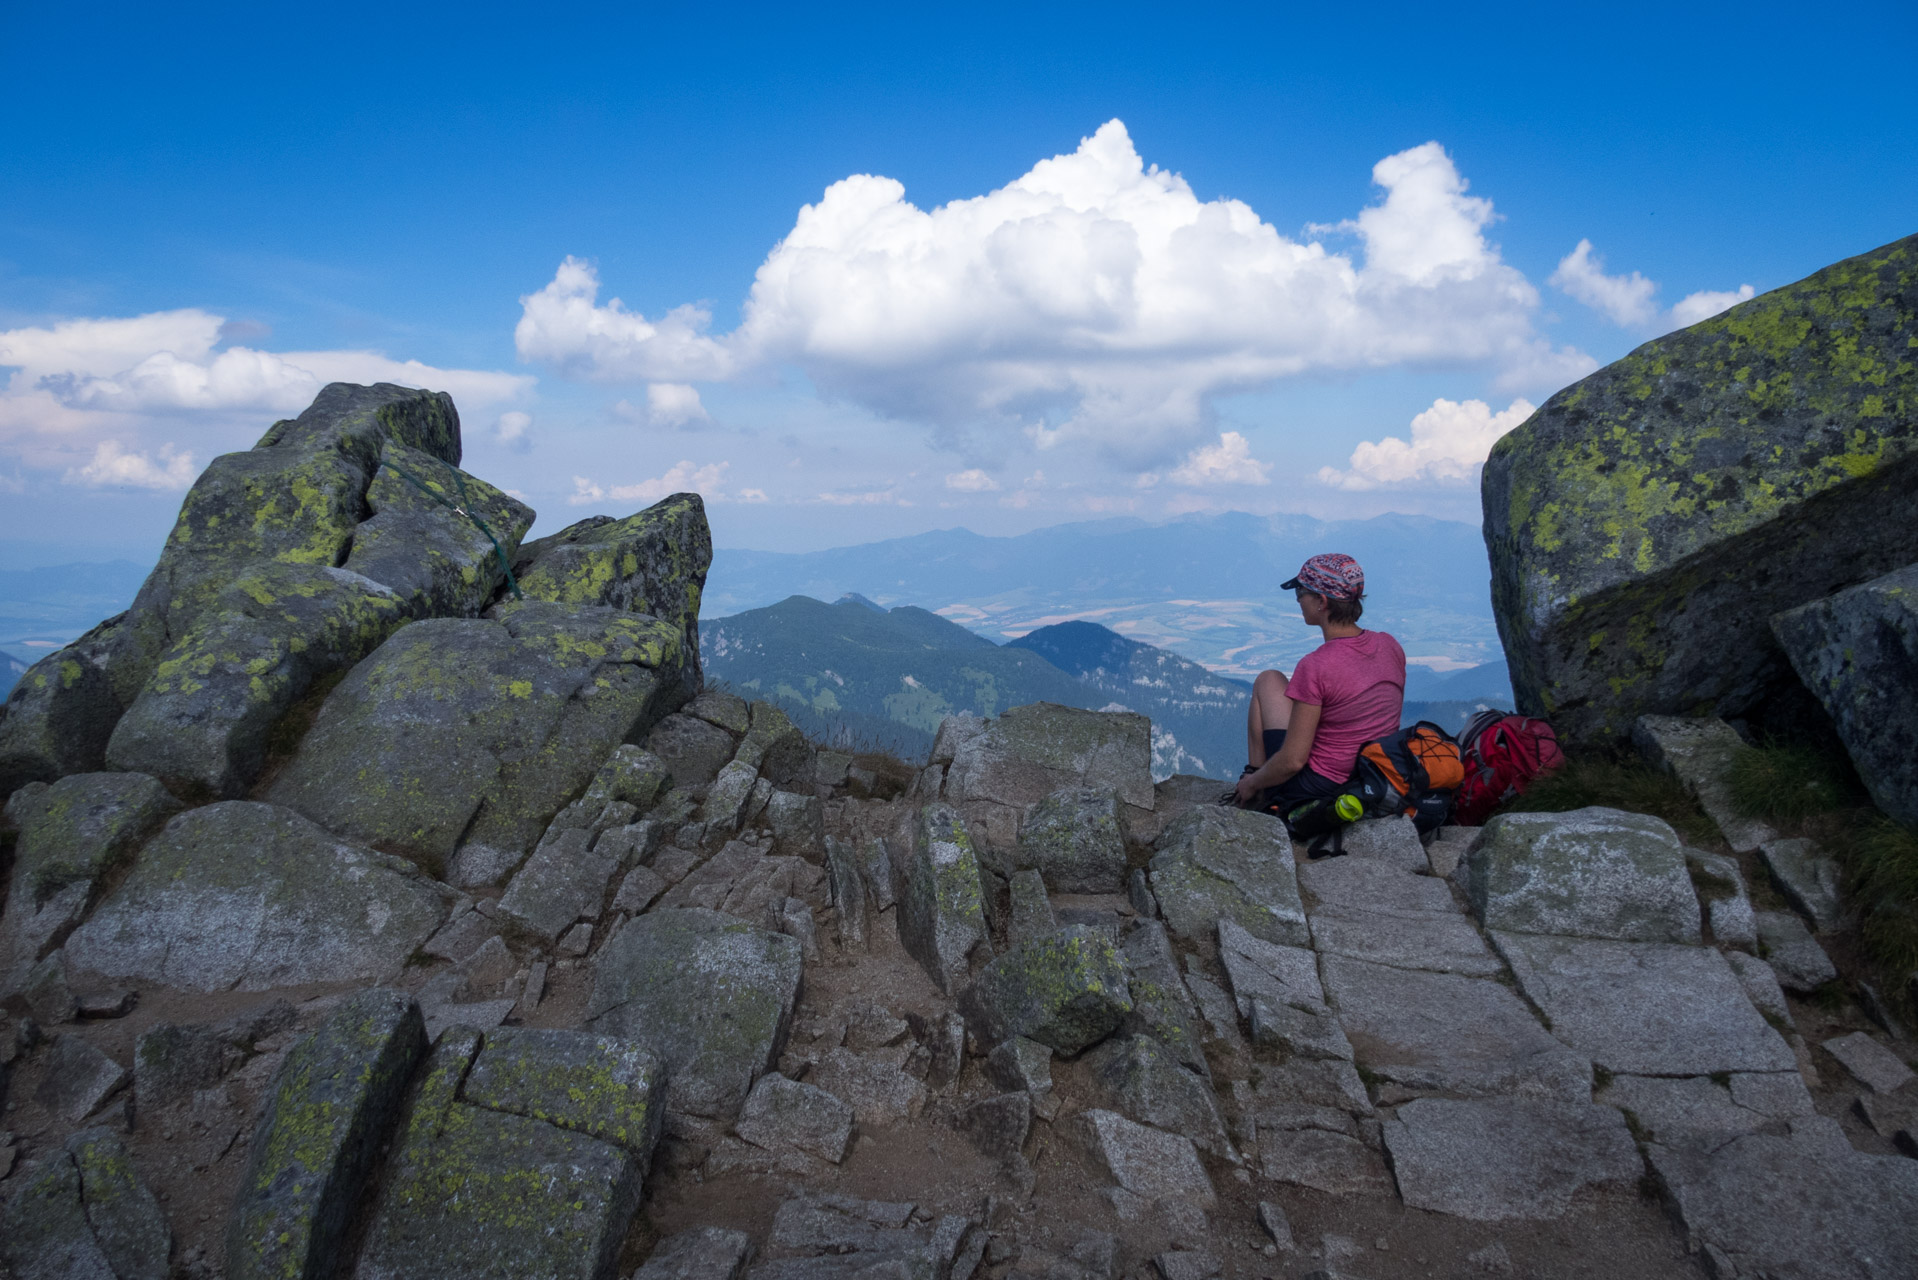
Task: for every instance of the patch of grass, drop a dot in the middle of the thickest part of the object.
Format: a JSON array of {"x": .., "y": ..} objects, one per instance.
[
  {"x": 1881, "y": 861},
  {"x": 1786, "y": 783},
  {"x": 1630, "y": 785}
]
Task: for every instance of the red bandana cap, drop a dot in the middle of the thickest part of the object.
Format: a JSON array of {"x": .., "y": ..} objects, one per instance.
[{"x": 1332, "y": 575}]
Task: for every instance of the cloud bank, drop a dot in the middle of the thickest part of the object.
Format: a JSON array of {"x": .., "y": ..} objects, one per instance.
[
  {"x": 1450, "y": 442},
  {"x": 86, "y": 395},
  {"x": 1093, "y": 299}
]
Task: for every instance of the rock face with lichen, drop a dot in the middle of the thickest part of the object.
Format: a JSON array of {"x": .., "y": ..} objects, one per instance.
[
  {"x": 1646, "y": 522},
  {"x": 212, "y": 645},
  {"x": 1858, "y": 654},
  {"x": 246, "y": 896},
  {"x": 941, "y": 908},
  {"x": 465, "y": 736}
]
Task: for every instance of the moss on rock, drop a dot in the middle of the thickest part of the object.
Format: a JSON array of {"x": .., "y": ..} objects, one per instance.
[
  {"x": 1645, "y": 521},
  {"x": 325, "y": 1114},
  {"x": 1066, "y": 989}
]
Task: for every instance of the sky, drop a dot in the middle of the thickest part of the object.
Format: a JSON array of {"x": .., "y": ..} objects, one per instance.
[{"x": 858, "y": 272}]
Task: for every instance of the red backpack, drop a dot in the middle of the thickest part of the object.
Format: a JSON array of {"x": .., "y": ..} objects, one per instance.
[{"x": 1503, "y": 753}]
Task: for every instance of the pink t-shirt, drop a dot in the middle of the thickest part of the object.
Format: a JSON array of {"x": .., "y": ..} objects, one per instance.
[{"x": 1359, "y": 684}]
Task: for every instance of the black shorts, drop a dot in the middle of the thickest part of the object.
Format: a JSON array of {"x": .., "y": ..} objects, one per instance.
[{"x": 1300, "y": 787}]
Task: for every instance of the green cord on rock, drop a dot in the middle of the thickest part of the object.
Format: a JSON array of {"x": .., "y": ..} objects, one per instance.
[{"x": 460, "y": 509}]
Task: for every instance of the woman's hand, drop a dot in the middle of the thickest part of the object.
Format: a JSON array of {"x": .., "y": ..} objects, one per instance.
[{"x": 1248, "y": 790}]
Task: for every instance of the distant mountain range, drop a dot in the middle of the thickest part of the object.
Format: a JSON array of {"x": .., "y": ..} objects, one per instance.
[
  {"x": 1206, "y": 587},
  {"x": 864, "y": 676}
]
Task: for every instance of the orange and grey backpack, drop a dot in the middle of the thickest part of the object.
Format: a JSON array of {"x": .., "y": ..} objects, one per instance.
[{"x": 1412, "y": 773}]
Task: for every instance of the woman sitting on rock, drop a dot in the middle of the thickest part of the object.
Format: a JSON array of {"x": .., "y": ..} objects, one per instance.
[{"x": 1303, "y": 735}]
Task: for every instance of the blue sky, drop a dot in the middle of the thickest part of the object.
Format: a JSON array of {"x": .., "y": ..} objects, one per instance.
[{"x": 1311, "y": 233}]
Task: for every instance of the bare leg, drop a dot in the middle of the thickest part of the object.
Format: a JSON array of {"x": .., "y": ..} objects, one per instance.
[{"x": 1270, "y": 709}]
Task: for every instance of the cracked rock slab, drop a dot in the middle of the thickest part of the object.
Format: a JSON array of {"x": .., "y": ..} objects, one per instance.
[
  {"x": 84, "y": 1214},
  {"x": 483, "y": 1194},
  {"x": 1444, "y": 1033},
  {"x": 1645, "y": 1008},
  {"x": 1494, "y": 1160},
  {"x": 1796, "y": 1208},
  {"x": 1590, "y": 873},
  {"x": 1145, "y": 1161},
  {"x": 1228, "y": 864},
  {"x": 712, "y": 995}
]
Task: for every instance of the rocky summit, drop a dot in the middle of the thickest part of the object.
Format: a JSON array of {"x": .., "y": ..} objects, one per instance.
[{"x": 389, "y": 897}]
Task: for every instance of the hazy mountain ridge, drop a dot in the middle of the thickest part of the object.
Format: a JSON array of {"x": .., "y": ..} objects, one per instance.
[
  {"x": 1206, "y": 587},
  {"x": 850, "y": 671}
]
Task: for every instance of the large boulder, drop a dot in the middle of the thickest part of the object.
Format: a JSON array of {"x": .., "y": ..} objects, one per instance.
[
  {"x": 295, "y": 498},
  {"x": 653, "y": 561},
  {"x": 468, "y": 736},
  {"x": 1857, "y": 651},
  {"x": 1229, "y": 864},
  {"x": 523, "y": 1154},
  {"x": 322, "y": 1122},
  {"x": 1591, "y": 873},
  {"x": 246, "y": 896},
  {"x": 710, "y": 994},
  {"x": 1646, "y": 519},
  {"x": 201, "y": 721},
  {"x": 1066, "y": 989},
  {"x": 84, "y": 1214},
  {"x": 439, "y": 561},
  {"x": 70, "y": 837},
  {"x": 996, "y": 769},
  {"x": 941, "y": 912}
]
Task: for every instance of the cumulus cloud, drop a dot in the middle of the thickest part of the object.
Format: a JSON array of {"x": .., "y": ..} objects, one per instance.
[
  {"x": 168, "y": 360},
  {"x": 1706, "y": 303},
  {"x": 1094, "y": 298},
  {"x": 972, "y": 481},
  {"x": 1625, "y": 300},
  {"x": 1229, "y": 462},
  {"x": 113, "y": 466},
  {"x": 1449, "y": 443},
  {"x": 511, "y": 429},
  {"x": 682, "y": 477},
  {"x": 83, "y": 385},
  {"x": 563, "y": 325}
]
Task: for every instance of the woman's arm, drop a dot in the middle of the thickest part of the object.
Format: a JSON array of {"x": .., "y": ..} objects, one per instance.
[{"x": 1299, "y": 733}]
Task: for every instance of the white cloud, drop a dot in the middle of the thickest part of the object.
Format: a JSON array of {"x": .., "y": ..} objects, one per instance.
[
  {"x": 561, "y": 326},
  {"x": 887, "y": 497},
  {"x": 1449, "y": 443},
  {"x": 114, "y": 466},
  {"x": 751, "y": 495},
  {"x": 168, "y": 360},
  {"x": 674, "y": 404},
  {"x": 1706, "y": 303},
  {"x": 80, "y": 385},
  {"x": 972, "y": 481},
  {"x": 1094, "y": 298},
  {"x": 511, "y": 429},
  {"x": 1625, "y": 300},
  {"x": 682, "y": 477},
  {"x": 1229, "y": 462}
]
